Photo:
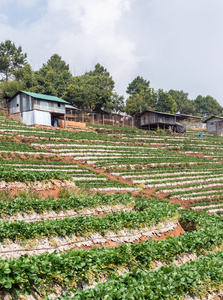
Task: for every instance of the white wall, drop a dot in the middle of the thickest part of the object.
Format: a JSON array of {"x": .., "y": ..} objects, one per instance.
[
  {"x": 28, "y": 117},
  {"x": 42, "y": 117},
  {"x": 36, "y": 117},
  {"x": 26, "y": 102},
  {"x": 15, "y": 105},
  {"x": 51, "y": 106}
]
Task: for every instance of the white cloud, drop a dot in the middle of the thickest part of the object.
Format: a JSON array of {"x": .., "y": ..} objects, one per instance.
[
  {"x": 3, "y": 19},
  {"x": 84, "y": 33},
  {"x": 28, "y": 3},
  {"x": 176, "y": 44},
  {"x": 4, "y": 2}
]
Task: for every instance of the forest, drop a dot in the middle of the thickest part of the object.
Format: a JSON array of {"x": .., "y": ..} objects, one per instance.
[{"x": 94, "y": 90}]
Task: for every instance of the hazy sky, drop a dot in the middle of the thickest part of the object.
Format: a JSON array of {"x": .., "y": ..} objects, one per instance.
[{"x": 175, "y": 44}]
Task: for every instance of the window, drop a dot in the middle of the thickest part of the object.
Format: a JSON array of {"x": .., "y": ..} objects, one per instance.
[
  {"x": 17, "y": 104},
  {"x": 58, "y": 104}
]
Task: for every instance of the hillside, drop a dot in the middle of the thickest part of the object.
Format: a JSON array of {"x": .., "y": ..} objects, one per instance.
[{"x": 109, "y": 213}]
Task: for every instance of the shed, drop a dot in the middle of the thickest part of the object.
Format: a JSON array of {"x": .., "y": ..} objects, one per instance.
[
  {"x": 71, "y": 110},
  {"x": 215, "y": 125},
  {"x": 33, "y": 108},
  {"x": 150, "y": 119},
  {"x": 187, "y": 118}
]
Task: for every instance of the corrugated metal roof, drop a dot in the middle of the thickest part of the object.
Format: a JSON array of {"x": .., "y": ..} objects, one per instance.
[
  {"x": 71, "y": 107},
  {"x": 212, "y": 117},
  {"x": 154, "y": 111},
  {"x": 43, "y": 97}
]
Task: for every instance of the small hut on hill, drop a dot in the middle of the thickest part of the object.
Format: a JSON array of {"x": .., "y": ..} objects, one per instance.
[
  {"x": 215, "y": 125},
  {"x": 150, "y": 119},
  {"x": 32, "y": 108}
]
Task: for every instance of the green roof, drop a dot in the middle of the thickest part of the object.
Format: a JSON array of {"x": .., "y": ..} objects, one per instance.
[{"x": 44, "y": 97}]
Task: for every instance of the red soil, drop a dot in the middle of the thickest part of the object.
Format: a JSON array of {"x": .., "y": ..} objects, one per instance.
[{"x": 175, "y": 232}]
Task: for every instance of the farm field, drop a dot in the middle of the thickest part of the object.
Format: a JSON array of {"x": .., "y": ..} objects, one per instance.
[{"x": 109, "y": 212}]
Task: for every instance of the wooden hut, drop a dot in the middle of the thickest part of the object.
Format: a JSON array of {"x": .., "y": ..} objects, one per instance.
[
  {"x": 150, "y": 119},
  {"x": 215, "y": 125}
]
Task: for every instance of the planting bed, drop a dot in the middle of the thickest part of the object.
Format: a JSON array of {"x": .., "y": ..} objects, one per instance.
[{"x": 116, "y": 233}]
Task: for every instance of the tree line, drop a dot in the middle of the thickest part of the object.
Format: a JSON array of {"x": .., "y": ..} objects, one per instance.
[{"x": 94, "y": 90}]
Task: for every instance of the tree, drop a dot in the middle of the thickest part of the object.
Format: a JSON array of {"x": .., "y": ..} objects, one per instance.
[
  {"x": 57, "y": 64},
  {"x": 11, "y": 58},
  {"x": 184, "y": 105},
  {"x": 26, "y": 76},
  {"x": 52, "y": 79},
  {"x": 102, "y": 86},
  {"x": 207, "y": 106},
  {"x": 10, "y": 88},
  {"x": 137, "y": 85},
  {"x": 92, "y": 91},
  {"x": 142, "y": 97},
  {"x": 116, "y": 104},
  {"x": 165, "y": 102}
]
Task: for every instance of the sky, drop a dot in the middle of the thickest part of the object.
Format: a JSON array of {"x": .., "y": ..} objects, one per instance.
[{"x": 175, "y": 44}]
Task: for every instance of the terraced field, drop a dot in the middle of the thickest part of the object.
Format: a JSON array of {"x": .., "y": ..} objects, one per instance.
[{"x": 109, "y": 213}]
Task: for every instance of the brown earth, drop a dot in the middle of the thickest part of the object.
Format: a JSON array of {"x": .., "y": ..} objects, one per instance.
[
  {"x": 175, "y": 232},
  {"x": 55, "y": 190}
]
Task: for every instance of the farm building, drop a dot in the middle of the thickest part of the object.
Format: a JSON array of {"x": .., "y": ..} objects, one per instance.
[
  {"x": 71, "y": 110},
  {"x": 150, "y": 119},
  {"x": 215, "y": 125},
  {"x": 32, "y": 108},
  {"x": 187, "y": 118},
  {"x": 191, "y": 121}
]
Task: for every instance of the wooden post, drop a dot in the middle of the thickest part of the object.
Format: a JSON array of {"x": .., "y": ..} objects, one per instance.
[
  {"x": 65, "y": 125},
  {"x": 113, "y": 120},
  {"x": 103, "y": 121},
  {"x": 93, "y": 118},
  {"x": 82, "y": 118}
]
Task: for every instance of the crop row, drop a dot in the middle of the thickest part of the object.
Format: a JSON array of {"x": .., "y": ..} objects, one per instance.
[
  {"x": 176, "y": 179},
  {"x": 169, "y": 282},
  {"x": 207, "y": 204},
  {"x": 19, "y": 205},
  {"x": 159, "y": 169},
  {"x": 67, "y": 269},
  {"x": 83, "y": 225},
  {"x": 96, "y": 184},
  {"x": 11, "y": 147},
  {"x": 9, "y": 174}
]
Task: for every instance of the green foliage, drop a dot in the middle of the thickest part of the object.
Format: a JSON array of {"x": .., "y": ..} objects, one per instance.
[
  {"x": 137, "y": 85},
  {"x": 9, "y": 174},
  {"x": 184, "y": 105},
  {"x": 165, "y": 102},
  {"x": 73, "y": 266},
  {"x": 53, "y": 78},
  {"x": 156, "y": 213},
  {"x": 169, "y": 282},
  {"x": 207, "y": 106},
  {"x": 92, "y": 91},
  {"x": 10, "y": 88},
  {"x": 11, "y": 58},
  {"x": 26, "y": 76},
  {"x": 141, "y": 98},
  {"x": 57, "y": 64},
  {"x": 29, "y": 202},
  {"x": 117, "y": 103}
]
